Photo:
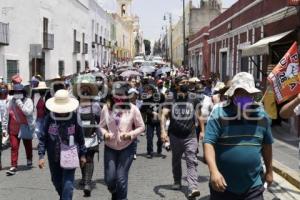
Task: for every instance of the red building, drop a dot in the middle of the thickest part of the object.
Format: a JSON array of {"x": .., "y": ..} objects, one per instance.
[
  {"x": 252, "y": 35},
  {"x": 199, "y": 52}
]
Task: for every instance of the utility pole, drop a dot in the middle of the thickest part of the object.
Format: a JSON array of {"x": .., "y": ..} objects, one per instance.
[{"x": 183, "y": 28}]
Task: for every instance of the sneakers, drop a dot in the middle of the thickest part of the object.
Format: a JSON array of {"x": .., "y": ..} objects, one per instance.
[
  {"x": 176, "y": 186},
  {"x": 29, "y": 163},
  {"x": 193, "y": 194},
  {"x": 87, "y": 190},
  {"x": 134, "y": 157},
  {"x": 12, "y": 171}
]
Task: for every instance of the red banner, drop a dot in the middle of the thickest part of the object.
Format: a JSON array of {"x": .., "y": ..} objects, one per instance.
[
  {"x": 294, "y": 2},
  {"x": 285, "y": 77}
]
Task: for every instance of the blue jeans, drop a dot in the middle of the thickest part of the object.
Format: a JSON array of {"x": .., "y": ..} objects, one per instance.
[
  {"x": 63, "y": 180},
  {"x": 150, "y": 136},
  {"x": 116, "y": 170},
  {"x": 39, "y": 127}
]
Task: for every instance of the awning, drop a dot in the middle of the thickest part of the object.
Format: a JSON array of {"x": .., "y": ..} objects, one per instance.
[{"x": 262, "y": 46}]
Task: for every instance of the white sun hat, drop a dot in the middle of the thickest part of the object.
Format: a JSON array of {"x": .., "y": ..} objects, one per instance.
[
  {"x": 62, "y": 102},
  {"x": 42, "y": 86},
  {"x": 242, "y": 80}
]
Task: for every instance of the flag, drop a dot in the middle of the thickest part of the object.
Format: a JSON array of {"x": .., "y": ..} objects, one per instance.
[{"x": 285, "y": 78}]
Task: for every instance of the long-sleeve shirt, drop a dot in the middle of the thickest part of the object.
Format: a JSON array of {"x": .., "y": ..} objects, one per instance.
[
  {"x": 118, "y": 122},
  {"x": 19, "y": 112},
  {"x": 59, "y": 131},
  {"x": 3, "y": 115}
]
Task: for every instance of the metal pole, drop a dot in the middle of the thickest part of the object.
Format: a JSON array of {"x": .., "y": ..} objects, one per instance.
[
  {"x": 171, "y": 40},
  {"x": 183, "y": 21}
]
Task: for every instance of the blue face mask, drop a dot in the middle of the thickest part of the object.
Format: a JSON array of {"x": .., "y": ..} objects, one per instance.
[{"x": 243, "y": 101}]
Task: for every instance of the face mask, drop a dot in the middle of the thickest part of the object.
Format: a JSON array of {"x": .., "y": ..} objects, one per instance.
[
  {"x": 242, "y": 101},
  {"x": 18, "y": 96},
  {"x": 184, "y": 88}
]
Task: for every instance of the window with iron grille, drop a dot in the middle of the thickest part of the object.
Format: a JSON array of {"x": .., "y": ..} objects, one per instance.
[
  {"x": 78, "y": 67},
  {"x": 12, "y": 69},
  {"x": 61, "y": 68}
]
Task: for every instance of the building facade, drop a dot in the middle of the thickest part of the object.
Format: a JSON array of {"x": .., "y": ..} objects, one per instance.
[
  {"x": 196, "y": 17},
  {"x": 252, "y": 35}
]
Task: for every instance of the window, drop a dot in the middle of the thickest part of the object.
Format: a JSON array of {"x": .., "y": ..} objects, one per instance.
[
  {"x": 257, "y": 68},
  {"x": 61, "y": 68},
  {"x": 45, "y": 25},
  {"x": 74, "y": 33},
  {"x": 78, "y": 67},
  {"x": 12, "y": 69}
]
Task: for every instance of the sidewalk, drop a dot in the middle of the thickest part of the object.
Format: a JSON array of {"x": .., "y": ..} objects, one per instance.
[{"x": 286, "y": 156}]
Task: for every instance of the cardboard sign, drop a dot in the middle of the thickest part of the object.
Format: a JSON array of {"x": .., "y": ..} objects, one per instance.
[{"x": 285, "y": 77}]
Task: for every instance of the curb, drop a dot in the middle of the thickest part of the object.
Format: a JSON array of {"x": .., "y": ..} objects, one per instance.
[{"x": 290, "y": 175}]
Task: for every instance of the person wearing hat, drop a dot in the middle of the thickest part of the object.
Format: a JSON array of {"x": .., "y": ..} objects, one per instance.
[
  {"x": 237, "y": 135},
  {"x": 121, "y": 122},
  {"x": 20, "y": 125},
  {"x": 181, "y": 134},
  {"x": 88, "y": 114},
  {"x": 61, "y": 134},
  {"x": 39, "y": 98},
  {"x": 3, "y": 115}
]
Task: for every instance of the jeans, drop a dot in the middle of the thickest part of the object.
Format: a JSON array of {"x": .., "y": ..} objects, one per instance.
[
  {"x": 255, "y": 193},
  {"x": 150, "y": 134},
  {"x": 15, "y": 145},
  {"x": 116, "y": 170},
  {"x": 135, "y": 143},
  {"x": 187, "y": 146},
  {"x": 39, "y": 127},
  {"x": 63, "y": 180}
]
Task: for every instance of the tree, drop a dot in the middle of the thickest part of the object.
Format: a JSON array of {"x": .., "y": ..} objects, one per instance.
[{"x": 147, "y": 44}]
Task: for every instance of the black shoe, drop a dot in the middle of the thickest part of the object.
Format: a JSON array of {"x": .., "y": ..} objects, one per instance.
[
  {"x": 149, "y": 156},
  {"x": 176, "y": 186},
  {"x": 114, "y": 196},
  {"x": 87, "y": 190},
  {"x": 12, "y": 171},
  {"x": 193, "y": 194}
]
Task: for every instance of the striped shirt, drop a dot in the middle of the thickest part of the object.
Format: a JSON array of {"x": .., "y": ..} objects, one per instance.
[{"x": 238, "y": 143}]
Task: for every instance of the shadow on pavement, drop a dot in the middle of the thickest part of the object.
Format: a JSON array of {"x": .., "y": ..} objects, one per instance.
[
  {"x": 21, "y": 168},
  {"x": 156, "y": 189}
]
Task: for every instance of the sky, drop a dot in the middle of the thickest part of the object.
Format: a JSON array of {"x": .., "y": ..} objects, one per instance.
[{"x": 151, "y": 13}]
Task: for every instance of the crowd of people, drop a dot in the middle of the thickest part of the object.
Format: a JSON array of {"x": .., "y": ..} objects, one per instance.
[{"x": 71, "y": 117}]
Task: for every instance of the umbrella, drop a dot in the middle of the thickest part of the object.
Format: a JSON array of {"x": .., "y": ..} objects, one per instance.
[
  {"x": 163, "y": 70},
  {"x": 130, "y": 73},
  {"x": 147, "y": 69},
  {"x": 138, "y": 61}
]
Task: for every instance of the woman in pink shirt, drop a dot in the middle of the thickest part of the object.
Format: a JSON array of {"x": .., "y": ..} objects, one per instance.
[{"x": 118, "y": 117}]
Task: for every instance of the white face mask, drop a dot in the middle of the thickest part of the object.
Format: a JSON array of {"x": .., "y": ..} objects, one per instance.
[{"x": 18, "y": 96}]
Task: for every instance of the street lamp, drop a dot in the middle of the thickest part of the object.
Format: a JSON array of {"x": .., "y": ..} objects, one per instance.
[
  {"x": 171, "y": 36},
  {"x": 183, "y": 28}
]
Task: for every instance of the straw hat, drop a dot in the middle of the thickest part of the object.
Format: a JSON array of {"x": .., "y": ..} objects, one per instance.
[
  {"x": 62, "y": 102},
  {"x": 42, "y": 86},
  {"x": 242, "y": 80}
]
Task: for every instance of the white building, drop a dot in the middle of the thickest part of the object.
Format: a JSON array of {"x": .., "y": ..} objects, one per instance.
[{"x": 52, "y": 37}]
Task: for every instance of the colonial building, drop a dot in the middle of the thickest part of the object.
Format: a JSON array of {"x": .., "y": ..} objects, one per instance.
[
  {"x": 252, "y": 35},
  {"x": 196, "y": 17}
]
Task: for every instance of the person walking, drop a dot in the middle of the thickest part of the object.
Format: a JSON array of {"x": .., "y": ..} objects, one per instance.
[
  {"x": 151, "y": 107},
  {"x": 88, "y": 114},
  {"x": 63, "y": 141},
  {"x": 182, "y": 134},
  {"x": 3, "y": 115},
  {"x": 237, "y": 135},
  {"x": 20, "y": 125},
  {"x": 118, "y": 117},
  {"x": 39, "y": 99}
]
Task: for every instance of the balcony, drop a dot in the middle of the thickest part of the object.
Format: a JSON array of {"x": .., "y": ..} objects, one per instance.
[
  {"x": 48, "y": 41},
  {"x": 4, "y": 34},
  {"x": 76, "y": 47},
  {"x": 85, "y": 48}
]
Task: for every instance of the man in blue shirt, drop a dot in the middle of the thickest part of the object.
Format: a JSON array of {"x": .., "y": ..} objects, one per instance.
[{"x": 237, "y": 134}]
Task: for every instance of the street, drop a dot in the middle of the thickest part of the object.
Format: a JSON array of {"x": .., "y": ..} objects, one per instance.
[{"x": 149, "y": 180}]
